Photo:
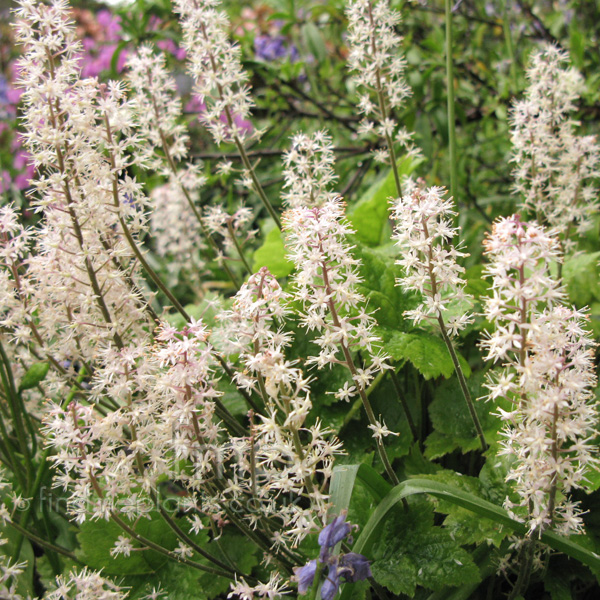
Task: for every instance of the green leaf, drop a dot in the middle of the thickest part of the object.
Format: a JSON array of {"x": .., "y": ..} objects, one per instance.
[
  {"x": 314, "y": 42},
  {"x": 370, "y": 215},
  {"x": 576, "y": 44},
  {"x": 181, "y": 582},
  {"x": 114, "y": 61},
  {"x": 272, "y": 255},
  {"x": 557, "y": 586},
  {"x": 460, "y": 522},
  {"x": 230, "y": 548},
  {"x": 471, "y": 502},
  {"x": 97, "y": 538},
  {"x": 581, "y": 276},
  {"x": 385, "y": 299},
  {"x": 34, "y": 375},
  {"x": 412, "y": 551},
  {"x": 426, "y": 352},
  {"x": 451, "y": 420},
  {"x": 342, "y": 483}
]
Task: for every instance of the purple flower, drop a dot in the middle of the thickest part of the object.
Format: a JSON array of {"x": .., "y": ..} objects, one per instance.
[
  {"x": 305, "y": 576},
  {"x": 269, "y": 48},
  {"x": 334, "y": 533},
  {"x": 350, "y": 567},
  {"x": 3, "y": 90},
  {"x": 331, "y": 585},
  {"x": 354, "y": 567}
]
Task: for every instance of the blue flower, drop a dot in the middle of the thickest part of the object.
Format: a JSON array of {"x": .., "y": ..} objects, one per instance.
[
  {"x": 354, "y": 567},
  {"x": 305, "y": 576},
  {"x": 331, "y": 585},
  {"x": 350, "y": 567},
  {"x": 334, "y": 533}
]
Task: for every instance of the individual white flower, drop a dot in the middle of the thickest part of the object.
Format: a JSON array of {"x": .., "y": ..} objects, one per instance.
[
  {"x": 380, "y": 430},
  {"x": 122, "y": 546}
]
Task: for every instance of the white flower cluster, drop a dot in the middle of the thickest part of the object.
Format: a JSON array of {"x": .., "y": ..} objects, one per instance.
[
  {"x": 291, "y": 458},
  {"x": 424, "y": 233},
  {"x": 233, "y": 230},
  {"x": 81, "y": 281},
  {"x": 161, "y": 412},
  {"x": 86, "y": 585},
  {"x": 325, "y": 283},
  {"x": 214, "y": 63},
  {"x": 157, "y": 108},
  {"x": 520, "y": 254},
  {"x": 544, "y": 390},
  {"x": 556, "y": 168},
  {"x": 377, "y": 60},
  {"x": 175, "y": 229},
  {"x": 273, "y": 589},
  {"x": 308, "y": 170}
]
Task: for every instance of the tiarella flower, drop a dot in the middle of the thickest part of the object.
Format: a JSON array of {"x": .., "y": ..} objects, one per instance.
[
  {"x": 175, "y": 229},
  {"x": 379, "y": 66},
  {"x": 309, "y": 170},
  {"x": 424, "y": 234},
  {"x": 233, "y": 230},
  {"x": 556, "y": 169},
  {"x": 291, "y": 456},
  {"x": 157, "y": 108},
  {"x": 520, "y": 255},
  {"x": 326, "y": 285},
  {"x": 83, "y": 276},
  {"x": 274, "y": 588},
  {"x": 214, "y": 63},
  {"x": 86, "y": 585},
  {"x": 551, "y": 433},
  {"x": 545, "y": 386},
  {"x": 122, "y": 546},
  {"x": 380, "y": 430}
]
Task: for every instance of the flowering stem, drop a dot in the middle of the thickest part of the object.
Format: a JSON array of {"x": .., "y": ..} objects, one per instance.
[
  {"x": 450, "y": 91},
  {"x": 173, "y": 555},
  {"x": 248, "y": 166},
  {"x": 463, "y": 384},
  {"x": 237, "y": 246},
  {"x": 526, "y": 562},
  {"x": 459, "y": 372},
  {"x": 16, "y": 411},
  {"x": 352, "y": 368},
  {"x": 314, "y": 590},
  {"x": 253, "y": 535},
  {"x": 383, "y": 108},
  {"x": 401, "y": 397},
  {"x": 191, "y": 204},
  {"x": 238, "y": 142},
  {"x": 157, "y": 280},
  {"x": 42, "y": 542}
]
